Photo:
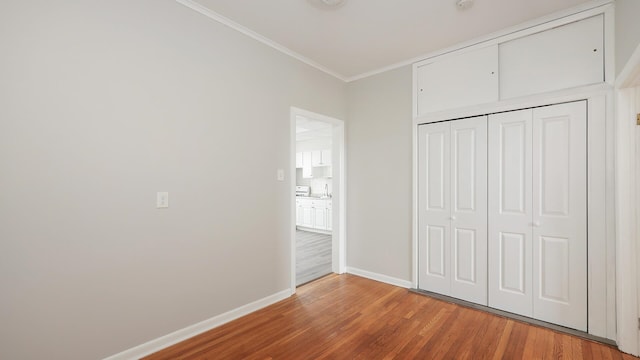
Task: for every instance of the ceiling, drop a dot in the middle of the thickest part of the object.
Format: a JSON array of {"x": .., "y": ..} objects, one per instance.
[
  {"x": 364, "y": 36},
  {"x": 307, "y": 129}
]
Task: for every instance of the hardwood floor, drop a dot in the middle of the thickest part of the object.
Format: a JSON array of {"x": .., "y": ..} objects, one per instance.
[
  {"x": 349, "y": 317},
  {"x": 313, "y": 256}
]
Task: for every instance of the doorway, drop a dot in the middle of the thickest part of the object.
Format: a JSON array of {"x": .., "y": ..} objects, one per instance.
[{"x": 318, "y": 201}]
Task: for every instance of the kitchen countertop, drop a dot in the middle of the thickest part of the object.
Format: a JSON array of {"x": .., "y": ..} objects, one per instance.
[{"x": 313, "y": 197}]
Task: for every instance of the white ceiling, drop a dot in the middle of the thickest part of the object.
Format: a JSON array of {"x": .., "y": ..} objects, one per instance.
[
  {"x": 307, "y": 129},
  {"x": 367, "y": 35}
]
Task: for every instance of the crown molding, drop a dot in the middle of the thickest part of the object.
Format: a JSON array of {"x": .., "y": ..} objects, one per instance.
[{"x": 193, "y": 5}]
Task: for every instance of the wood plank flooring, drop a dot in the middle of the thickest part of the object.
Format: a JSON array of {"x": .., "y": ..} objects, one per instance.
[
  {"x": 313, "y": 256},
  {"x": 349, "y": 317}
]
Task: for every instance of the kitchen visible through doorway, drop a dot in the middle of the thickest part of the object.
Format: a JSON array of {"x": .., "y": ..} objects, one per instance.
[{"x": 314, "y": 195}]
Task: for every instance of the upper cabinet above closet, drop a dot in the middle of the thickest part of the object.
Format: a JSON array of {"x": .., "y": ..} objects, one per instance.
[
  {"x": 514, "y": 65},
  {"x": 559, "y": 58},
  {"x": 468, "y": 78}
]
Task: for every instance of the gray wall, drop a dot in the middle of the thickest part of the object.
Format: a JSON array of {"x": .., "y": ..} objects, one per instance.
[
  {"x": 379, "y": 189},
  {"x": 104, "y": 103},
  {"x": 627, "y": 30}
]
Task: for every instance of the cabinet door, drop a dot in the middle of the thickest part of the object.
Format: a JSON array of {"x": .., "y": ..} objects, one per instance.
[
  {"x": 469, "y": 209},
  {"x": 559, "y": 58},
  {"x": 560, "y": 214},
  {"x": 326, "y": 157},
  {"x": 510, "y": 212},
  {"x": 307, "y": 215},
  {"x": 434, "y": 208},
  {"x": 316, "y": 158},
  {"x": 299, "y": 160},
  {"x": 329, "y": 218},
  {"x": 307, "y": 168},
  {"x": 455, "y": 81},
  {"x": 299, "y": 214},
  {"x": 320, "y": 218}
]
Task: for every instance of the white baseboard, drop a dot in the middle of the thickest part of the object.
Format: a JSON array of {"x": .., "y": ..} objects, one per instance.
[
  {"x": 162, "y": 342},
  {"x": 379, "y": 277}
]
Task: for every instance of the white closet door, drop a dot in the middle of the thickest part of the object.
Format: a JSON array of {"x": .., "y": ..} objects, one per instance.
[
  {"x": 434, "y": 208},
  {"x": 469, "y": 209},
  {"x": 510, "y": 212},
  {"x": 560, "y": 214}
]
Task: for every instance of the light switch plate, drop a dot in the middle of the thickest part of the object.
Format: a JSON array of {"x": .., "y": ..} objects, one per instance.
[
  {"x": 162, "y": 200},
  {"x": 280, "y": 175}
]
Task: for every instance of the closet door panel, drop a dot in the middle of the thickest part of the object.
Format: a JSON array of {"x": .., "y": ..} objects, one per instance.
[
  {"x": 560, "y": 214},
  {"x": 510, "y": 212},
  {"x": 468, "y": 213},
  {"x": 459, "y": 80},
  {"x": 434, "y": 208}
]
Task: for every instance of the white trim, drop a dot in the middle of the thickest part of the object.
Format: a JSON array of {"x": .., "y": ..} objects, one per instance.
[
  {"x": 600, "y": 300},
  {"x": 626, "y": 275},
  {"x": 609, "y": 29},
  {"x": 292, "y": 212},
  {"x": 540, "y": 24},
  {"x": 175, "y": 337},
  {"x": 380, "y": 277},
  {"x": 573, "y": 94},
  {"x": 254, "y": 35},
  {"x": 338, "y": 233},
  {"x": 626, "y": 207},
  {"x": 414, "y": 216}
]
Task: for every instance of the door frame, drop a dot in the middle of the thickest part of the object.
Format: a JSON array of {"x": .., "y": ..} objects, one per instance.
[
  {"x": 627, "y": 93},
  {"x": 338, "y": 157}
]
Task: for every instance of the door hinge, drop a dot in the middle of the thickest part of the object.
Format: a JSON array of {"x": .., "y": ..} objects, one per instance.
[
  {"x": 638, "y": 323},
  {"x": 638, "y": 119}
]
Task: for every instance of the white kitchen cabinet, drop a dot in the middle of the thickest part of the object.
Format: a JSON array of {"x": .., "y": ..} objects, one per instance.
[
  {"x": 321, "y": 158},
  {"x": 320, "y": 218},
  {"x": 560, "y": 58},
  {"x": 538, "y": 213},
  {"x": 299, "y": 162},
  {"x": 326, "y": 157},
  {"x": 316, "y": 158},
  {"x": 299, "y": 219},
  {"x": 452, "y": 235},
  {"x": 308, "y": 216},
  {"x": 313, "y": 214},
  {"x": 464, "y": 79},
  {"x": 307, "y": 168}
]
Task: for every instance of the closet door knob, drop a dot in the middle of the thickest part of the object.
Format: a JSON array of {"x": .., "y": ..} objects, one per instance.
[
  {"x": 453, "y": 218},
  {"x": 536, "y": 223}
]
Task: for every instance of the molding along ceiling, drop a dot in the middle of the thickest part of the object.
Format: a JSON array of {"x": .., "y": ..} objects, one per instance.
[{"x": 360, "y": 38}]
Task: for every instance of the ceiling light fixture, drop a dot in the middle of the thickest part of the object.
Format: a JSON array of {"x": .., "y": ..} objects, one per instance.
[
  {"x": 327, "y": 4},
  {"x": 464, "y": 4}
]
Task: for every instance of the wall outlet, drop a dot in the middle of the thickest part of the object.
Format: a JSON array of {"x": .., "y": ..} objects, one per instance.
[{"x": 162, "y": 200}]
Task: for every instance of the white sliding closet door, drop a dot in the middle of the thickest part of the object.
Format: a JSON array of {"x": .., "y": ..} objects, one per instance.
[
  {"x": 453, "y": 201},
  {"x": 537, "y": 213},
  {"x": 510, "y": 212},
  {"x": 560, "y": 214},
  {"x": 435, "y": 208},
  {"x": 469, "y": 209}
]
